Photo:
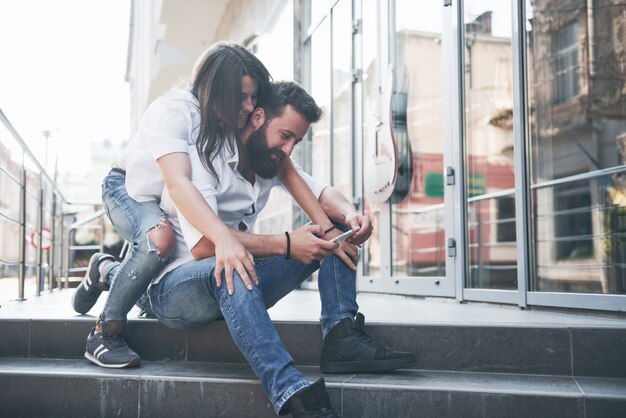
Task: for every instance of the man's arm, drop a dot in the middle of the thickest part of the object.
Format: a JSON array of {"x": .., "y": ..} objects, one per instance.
[
  {"x": 306, "y": 199},
  {"x": 305, "y": 245},
  {"x": 340, "y": 210}
]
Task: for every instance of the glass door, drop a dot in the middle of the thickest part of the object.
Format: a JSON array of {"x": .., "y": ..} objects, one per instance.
[
  {"x": 406, "y": 148},
  {"x": 490, "y": 223},
  {"x": 577, "y": 99}
]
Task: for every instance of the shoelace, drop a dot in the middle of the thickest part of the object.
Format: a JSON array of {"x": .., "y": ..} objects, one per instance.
[{"x": 370, "y": 340}]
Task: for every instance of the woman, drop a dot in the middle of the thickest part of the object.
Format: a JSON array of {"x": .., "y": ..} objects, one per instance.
[{"x": 227, "y": 82}]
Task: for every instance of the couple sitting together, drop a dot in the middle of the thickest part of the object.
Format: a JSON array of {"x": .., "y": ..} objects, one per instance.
[{"x": 186, "y": 194}]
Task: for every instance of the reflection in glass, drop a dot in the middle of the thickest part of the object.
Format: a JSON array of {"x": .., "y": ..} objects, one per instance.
[
  {"x": 342, "y": 98},
  {"x": 320, "y": 90},
  {"x": 577, "y": 97},
  {"x": 418, "y": 229},
  {"x": 370, "y": 62},
  {"x": 489, "y": 145},
  {"x": 278, "y": 213},
  {"x": 10, "y": 169}
]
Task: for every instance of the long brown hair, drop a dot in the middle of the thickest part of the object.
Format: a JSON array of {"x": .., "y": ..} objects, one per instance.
[{"x": 217, "y": 86}]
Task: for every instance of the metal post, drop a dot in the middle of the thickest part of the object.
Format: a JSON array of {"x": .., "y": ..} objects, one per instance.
[
  {"x": 54, "y": 242},
  {"x": 21, "y": 269},
  {"x": 40, "y": 270},
  {"x": 66, "y": 264},
  {"x": 61, "y": 248},
  {"x": 102, "y": 226}
]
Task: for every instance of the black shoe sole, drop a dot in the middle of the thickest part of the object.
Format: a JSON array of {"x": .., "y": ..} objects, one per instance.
[{"x": 368, "y": 366}]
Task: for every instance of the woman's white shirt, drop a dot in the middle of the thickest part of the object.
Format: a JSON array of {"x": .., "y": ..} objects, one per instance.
[{"x": 170, "y": 124}]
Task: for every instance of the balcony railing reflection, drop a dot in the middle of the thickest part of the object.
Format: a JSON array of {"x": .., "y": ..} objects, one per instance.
[{"x": 37, "y": 236}]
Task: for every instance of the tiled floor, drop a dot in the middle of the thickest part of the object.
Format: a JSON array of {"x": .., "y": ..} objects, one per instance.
[{"x": 304, "y": 305}]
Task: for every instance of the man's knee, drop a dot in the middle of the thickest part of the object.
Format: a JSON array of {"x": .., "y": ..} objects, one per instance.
[
  {"x": 239, "y": 287},
  {"x": 163, "y": 238}
]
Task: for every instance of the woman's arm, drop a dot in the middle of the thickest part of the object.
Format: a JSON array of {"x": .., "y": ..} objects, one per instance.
[
  {"x": 302, "y": 194},
  {"x": 229, "y": 252}
]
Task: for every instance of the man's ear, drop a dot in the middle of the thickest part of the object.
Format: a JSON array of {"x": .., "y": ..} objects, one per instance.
[{"x": 257, "y": 119}]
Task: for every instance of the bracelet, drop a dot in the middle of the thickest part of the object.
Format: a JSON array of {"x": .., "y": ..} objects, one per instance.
[
  {"x": 329, "y": 229},
  {"x": 288, "y": 256}
]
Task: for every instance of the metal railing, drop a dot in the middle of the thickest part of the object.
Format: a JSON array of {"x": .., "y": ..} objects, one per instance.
[{"x": 36, "y": 233}]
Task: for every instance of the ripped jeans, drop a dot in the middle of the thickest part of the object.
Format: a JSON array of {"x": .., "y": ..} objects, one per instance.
[{"x": 133, "y": 220}]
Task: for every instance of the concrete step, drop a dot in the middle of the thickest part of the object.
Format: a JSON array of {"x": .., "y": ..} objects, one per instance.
[
  {"x": 75, "y": 388},
  {"x": 549, "y": 350}
]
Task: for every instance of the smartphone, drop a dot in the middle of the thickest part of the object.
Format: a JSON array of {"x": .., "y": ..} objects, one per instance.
[{"x": 343, "y": 236}]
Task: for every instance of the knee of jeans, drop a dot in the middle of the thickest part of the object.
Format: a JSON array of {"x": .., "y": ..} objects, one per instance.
[
  {"x": 189, "y": 317},
  {"x": 240, "y": 289},
  {"x": 162, "y": 239}
]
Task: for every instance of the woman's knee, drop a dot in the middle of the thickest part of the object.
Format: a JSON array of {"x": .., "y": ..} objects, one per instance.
[{"x": 163, "y": 238}]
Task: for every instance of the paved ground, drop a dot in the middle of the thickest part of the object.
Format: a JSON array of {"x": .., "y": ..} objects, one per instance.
[{"x": 304, "y": 305}]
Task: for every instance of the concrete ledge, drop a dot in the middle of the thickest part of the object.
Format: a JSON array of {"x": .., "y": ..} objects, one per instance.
[{"x": 76, "y": 388}]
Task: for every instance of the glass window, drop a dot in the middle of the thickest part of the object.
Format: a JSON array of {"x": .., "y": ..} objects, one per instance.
[
  {"x": 278, "y": 214},
  {"x": 565, "y": 54},
  {"x": 342, "y": 98},
  {"x": 370, "y": 62},
  {"x": 577, "y": 99},
  {"x": 418, "y": 227},
  {"x": 489, "y": 161},
  {"x": 279, "y": 61},
  {"x": 320, "y": 90}
]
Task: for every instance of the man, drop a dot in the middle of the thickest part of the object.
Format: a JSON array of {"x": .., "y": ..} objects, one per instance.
[{"x": 188, "y": 295}]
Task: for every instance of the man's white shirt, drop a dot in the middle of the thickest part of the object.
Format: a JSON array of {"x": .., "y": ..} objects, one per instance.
[{"x": 232, "y": 198}]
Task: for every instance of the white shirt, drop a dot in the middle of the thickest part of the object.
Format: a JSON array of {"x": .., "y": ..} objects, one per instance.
[
  {"x": 168, "y": 125},
  {"x": 233, "y": 199}
]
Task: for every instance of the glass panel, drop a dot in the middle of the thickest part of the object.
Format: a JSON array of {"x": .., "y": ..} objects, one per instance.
[
  {"x": 371, "y": 248},
  {"x": 320, "y": 90},
  {"x": 418, "y": 228},
  {"x": 342, "y": 98},
  {"x": 278, "y": 213},
  {"x": 490, "y": 174},
  {"x": 317, "y": 9},
  {"x": 577, "y": 98},
  {"x": 279, "y": 61}
]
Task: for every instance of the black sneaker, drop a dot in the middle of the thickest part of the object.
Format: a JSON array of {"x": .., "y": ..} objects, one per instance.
[
  {"x": 348, "y": 349},
  {"x": 87, "y": 293},
  {"x": 311, "y": 402},
  {"x": 110, "y": 352}
]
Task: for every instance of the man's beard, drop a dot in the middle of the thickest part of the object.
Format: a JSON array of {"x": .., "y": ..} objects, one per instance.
[{"x": 260, "y": 156}]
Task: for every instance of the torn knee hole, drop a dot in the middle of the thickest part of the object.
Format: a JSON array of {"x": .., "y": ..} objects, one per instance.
[{"x": 161, "y": 239}]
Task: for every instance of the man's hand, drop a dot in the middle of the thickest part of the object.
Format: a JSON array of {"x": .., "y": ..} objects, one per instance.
[
  {"x": 306, "y": 246},
  {"x": 361, "y": 225}
]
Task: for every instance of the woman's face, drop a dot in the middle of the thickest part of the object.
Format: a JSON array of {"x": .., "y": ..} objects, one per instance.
[{"x": 249, "y": 88}]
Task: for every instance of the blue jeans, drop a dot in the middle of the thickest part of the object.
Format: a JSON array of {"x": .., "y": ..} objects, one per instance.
[
  {"x": 133, "y": 220},
  {"x": 188, "y": 297}
]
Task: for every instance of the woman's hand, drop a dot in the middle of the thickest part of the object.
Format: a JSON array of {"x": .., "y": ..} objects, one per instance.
[
  {"x": 347, "y": 252},
  {"x": 230, "y": 254},
  {"x": 362, "y": 227}
]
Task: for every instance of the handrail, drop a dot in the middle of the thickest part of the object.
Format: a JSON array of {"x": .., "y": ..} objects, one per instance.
[
  {"x": 579, "y": 177},
  {"x": 34, "y": 184},
  {"x": 27, "y": 150},
  {"x": 88, "y": 219}
]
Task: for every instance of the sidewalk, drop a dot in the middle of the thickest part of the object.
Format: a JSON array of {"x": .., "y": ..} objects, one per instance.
[{"x": 304, "y": 305}]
